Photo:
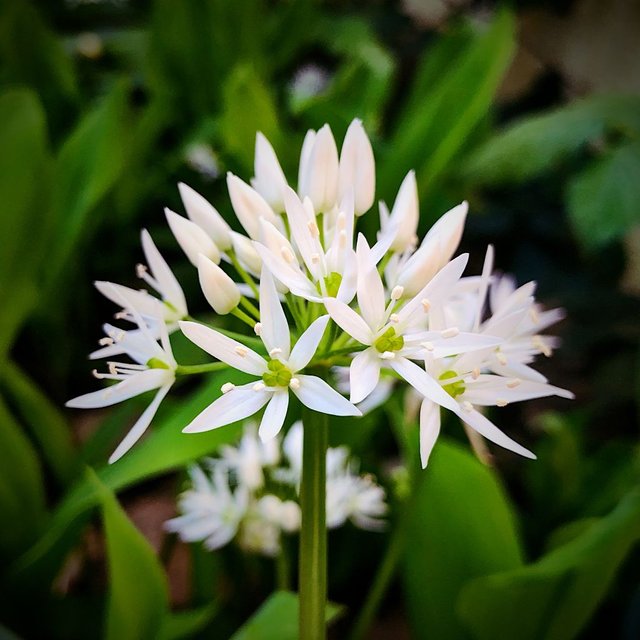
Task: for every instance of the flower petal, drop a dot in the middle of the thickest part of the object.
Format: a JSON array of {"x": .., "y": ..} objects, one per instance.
[
  {"x": 237, "y": 404},
  {"x": 487, "y": 389},
  {"x": 370, "y": 287},
  {"x": 319, "y": 396},
  {"x": 429, "y": 429},
  {"x": 205, "y": 215},
  {"x": 141, "y": 425},
  {"x": 223, "y": 348},
  {"x": 275, "y": 329},
  {"x": 269, "y": 180},
  {"x": 274, "y": 415},
  {"x": 308, "y": 243},
  {"x": 348, "y": 320},
  {"x": 307, "y": 344},
  {"x": 364, "y": 374}
]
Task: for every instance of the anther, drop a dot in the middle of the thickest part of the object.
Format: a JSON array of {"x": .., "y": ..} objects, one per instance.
[
  {"x": 387, "y": 355},
  {"x": 501, "y": 402},
  {"x": 451, "y": 332},
  {"x": 259, "y": 386},
  {"x": 241, "y": 351},
  {"x": 113, "y": 369},
  {"x": 502, "y": 359},
  {"x": 257, "y": 328},
  {"x": 475, "y": 374},
  {"x": 467, "y": 406},
  {"x": 105, "y": 342},
  {"x": 96, "y": 374},
  {"x": 276, "y": 351},
  {"x": 342, "y": 239},
  {"x": 394, "y": 317},
  {"x": 539, "y": 344},
  {"x": 141, "y": 270},
  {"x": 313, "y": 229},
  {"x": 428, "y": 346},
  {"x": 294, "y": 383},
  {"x": 397, "y": 292},
  {"x": 512, "y": 384},
  {"x": 227, "y": 386},
  {"x": 286, "y": 254},
  {"x": 426, "y": 304}
]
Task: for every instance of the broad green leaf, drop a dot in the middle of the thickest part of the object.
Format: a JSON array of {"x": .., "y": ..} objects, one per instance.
[
  {"x": 604, "y": 200},
  {"x": 537, "y": 144},
  {"x": 30, "y": 54},
  {"x": 445, "y": 115},
  {"x": 185, "y": 624},
  {"x": 22, "y": 503},
  {"x": 87, "y": 167},
  {"x": 138, "y": 595},
  {"x": 553, "y": 598},
  {"x": 461, "y": 526},
  {"x": 165, "y": 449},
  {"x": 277, "y": 619},
  {"x": 247, "y": 107},
  {"x": 48, "y": 426}
]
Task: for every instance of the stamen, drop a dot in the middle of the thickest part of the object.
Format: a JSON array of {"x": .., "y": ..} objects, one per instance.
[
  {"x": 313, "y": 229},
  {"x": 475, "y": 374},
  {"x": 295, "y": 383},
  {"x": 258, "y": 328},
  {"x": 141, "y": 270},
  {"x": 501, "y": 402},
  {"x": 259, "y": 386},
  {"x": 276, "y": 351},
  {"x": 227, "y": 386},
  {"x": 397, "y": 292},
  {"x": 113, "y": 370},
  {"x": 467, "y": 406},
  {"x": 533, "y": 314},
  {"x": 342, "y": 239},
  {"x": 394, "y": 317},
  {"x": 286, "y": 254},
  {"x": 502, "y": 359},
  {"x": 452, "y": 332},
  {"x": 539, "y": 344},
  {"x": 341, "y": 221},
  {"x": 387, "y": 355},
  {"x": 426, "y": 304},
  {"x": 315, "y": 258},
  {"x": 241, "y": 351},
  {"x": 512, "y": 384},
  {"x": 428, "y": 346},
  {"x": 105, "y": 342}
]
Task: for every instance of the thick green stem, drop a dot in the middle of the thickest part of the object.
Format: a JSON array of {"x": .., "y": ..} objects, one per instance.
[
  {"x": 313, "y": 535},
  {"x": 283, "y": 578},
  {"x": 191, "y": 369}
]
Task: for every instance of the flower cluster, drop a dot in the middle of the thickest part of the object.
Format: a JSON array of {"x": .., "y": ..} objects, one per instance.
[
  {"x": 250, "y": 493},
  {"x": 318, "y": 297}
]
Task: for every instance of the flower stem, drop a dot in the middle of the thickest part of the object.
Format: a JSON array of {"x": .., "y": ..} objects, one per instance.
[
  {"x": 241, "y": 315},
  {"x": 242, "y": 272},
  {"x": 191, "y": 369},
  {"x": 283, "y": 580},
  {"x": 313, "y": 534}
]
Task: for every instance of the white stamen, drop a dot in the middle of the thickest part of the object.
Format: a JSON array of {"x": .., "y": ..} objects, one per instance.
[
  {"x": 397, "y": 292},
  {"x": 286, "y": 254},
  {"x": 259, "y": 386},
  {"x": 467, "y": 406},
  {"x": 341, "y": 221},
  {"x": 313, "y": 229},
  {"x": 315, "y": 258},
  {"x": 342, "y": 239},
  {"x": 451, "y": 332},
  {"x": 533, "y": 314},
  {"x": 241, "y": 351},
  {"x": 539, "y": 344},
  {"x": 475, "y": 374},
  {"x": 502, "y": 359},
  {"x": 105, "y": 342},
  {"x": 96, "y": 374},
  {"x": 428, "y": 346},
  {"x": 257, "y": 328},
  {"x": 512, "y": 384},
  {"x": 227, "y": 386},
  {"x": 387, "y": 355},
  {"x": 426, "y": 304},
  {"x": 276, "y": 351},
  {"x": 141, "y": 270},
  {"x": 113, "y": 369},
  {"x": 394, "y": 317},
  {"x": 294, "y": 383},
  {"x": 501, "y": 402}
]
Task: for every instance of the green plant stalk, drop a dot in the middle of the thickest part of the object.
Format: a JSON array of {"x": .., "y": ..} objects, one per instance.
[
  {"x": 313, "y": 535},
  {"x": 193, "y": 369}
]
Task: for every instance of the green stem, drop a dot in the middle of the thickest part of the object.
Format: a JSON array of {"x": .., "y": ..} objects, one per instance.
[
  {"x": 241, "y": 315},
  {"x": 313, "y": 534},
  {"x": 242, "y": 272},
  {"x": 283, "y": 578},
  {"x": 191, "y": 369},
  {"x": 250, "y": 307}
]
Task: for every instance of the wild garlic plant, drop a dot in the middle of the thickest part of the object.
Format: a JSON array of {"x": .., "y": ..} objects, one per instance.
[{"x": 312, "y": 297}]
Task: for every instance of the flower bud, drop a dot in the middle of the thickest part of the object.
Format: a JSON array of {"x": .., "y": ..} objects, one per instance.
[
  {"x": 269, "y": 180},
  {"x": 244, "y": 250},
  {"x": 357, "y": 168},
  {"x": 405, "y": 214},
  {"x": 205, "y": 216},
  {"x": 219, "y": 289},
  {"x": 249, "y": 206},
  {"x": 192, "y": 239},
  {"x": 319, "y": 170}
]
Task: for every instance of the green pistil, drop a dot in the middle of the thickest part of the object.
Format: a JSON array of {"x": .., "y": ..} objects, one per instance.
[
  {"x": 389, "y": 341},
  {"x": 278, "y": 374},
  {"x": 332, "y": 284},
  {"x": 454, "y": 389},
  {"x": 156, "y": 363}
]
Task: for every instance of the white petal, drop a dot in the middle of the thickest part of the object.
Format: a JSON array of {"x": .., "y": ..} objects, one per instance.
[
  {"x": 429, "y": 429},
  {"x": 219, "y": 289},
  {"x": 405, "y": 214},
  {"x": 487, "y": 389},
  {"x": 423, "y": 383},
  {"x": 130, "y": 387},
  {"x": 249, "y": 206},
  {"x": 170, "y": 288},
  {"x": 307, "y": 344},
  {"x": 274, "y": 415},
  {"x": 269, "y": 180},
  {"x": 223, "y": 348},
  {"x": 206, "y": 216},
  {"x": 144, "y": 302},
  {"x": 305, "y": 157},
  {"x": 320, "y": 182},
  {"x": 348, "y": 320},
  {"x": 192, "y": 239},
  {"x": 364, "y": 374},
  {"x": 141, "y": 425},
  {"x": 309, "y": 245},
  {"x": 246, "y": 253},
  {"x": 370, "y": 287},
  {"x": 485, "y": 427},
  {"x": 349, "y": 284},
  {"x": 237, "y": 404},
  {"x": 357, "y": 167},
  {"x": 275, "y": 329},
  {"x": 319, "y": 396}
]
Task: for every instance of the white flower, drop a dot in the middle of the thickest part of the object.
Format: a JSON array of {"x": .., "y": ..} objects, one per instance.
[
  {"x": 394, "y": 337},
  {"x": 211, "y": 512},
  {"x": 206, "y": 216},
  {"x": 157, "y": 275},
  {"x": 192, "y": 238},
  {"x": 269, "y": 180},
  {"x": 154, "y": 368},
  {"x": 219, "y": 289},
  {"x": 357, "y": 171},
  {"x": 249, "y": 206},
  {"x": 356, "y": 498},
  {"x": 402, "y": 223},
  {"x": 278, "y": 374},
  {"x": 258, "y": 535},
  {"x": 319, "y": 167}
]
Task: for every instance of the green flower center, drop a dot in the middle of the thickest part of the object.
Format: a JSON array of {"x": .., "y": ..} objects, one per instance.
[
  {"x": 277, "y": 375},
  {"x": 389, "y": 341},
  {"x": 332, "y": 284},
  {"x": 454, "y": 389},
  {"x": 156, "y": 363}
]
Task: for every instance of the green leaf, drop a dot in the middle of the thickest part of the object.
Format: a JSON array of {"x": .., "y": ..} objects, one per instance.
[
  {"x": 604, "y": 200},
  {"x": 48, "y": 426},
  {"x": 553, "y": 598},
  {"x": 277, "y": 619},
  {"x": 22, "y": 503},
  {"x": 247, "y": 107},
  {"x": 537, "y": 144},
  {"x": 185, "y": 624},
  {"x": 461, "y": 527},
  {"x": 87, "y": 167},
  {"x": 444, "y": 115},
  {"x": 138, "y": 594}
]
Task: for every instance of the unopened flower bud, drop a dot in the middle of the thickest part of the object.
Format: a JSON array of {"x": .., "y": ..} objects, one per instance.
[
  {"x": 405, "y": 214},
  {"x": 249, "y": 206},
  {"x": 319, "y": 170},
  {"x": 246, "y": 253},
  {"x": 206, "y": 216},
  {"x": 192, "y": 239},
  {"x": 357, "y": 168},
  {"x": 219, "y": 289},
  {"x": 269, "y": 180}
]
